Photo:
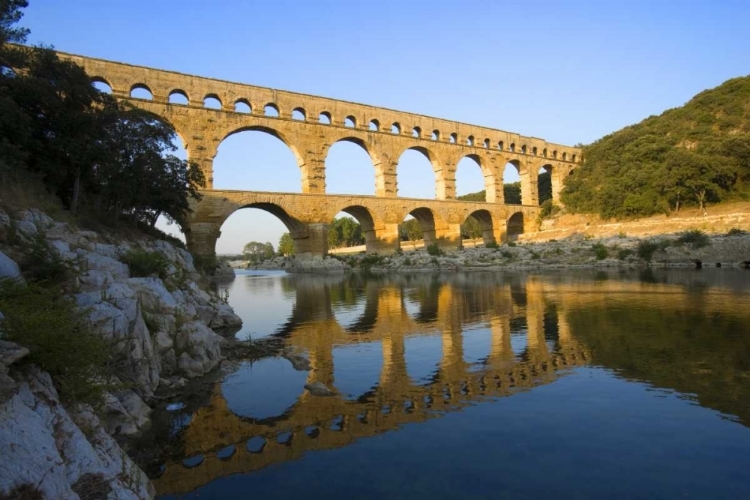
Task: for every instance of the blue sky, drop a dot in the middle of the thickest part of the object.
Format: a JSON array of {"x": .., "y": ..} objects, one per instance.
[{"x": 568, "y": 72}]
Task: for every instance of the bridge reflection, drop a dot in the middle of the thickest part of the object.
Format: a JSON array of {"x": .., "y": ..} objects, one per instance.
[{"x": 537, "y": 315}]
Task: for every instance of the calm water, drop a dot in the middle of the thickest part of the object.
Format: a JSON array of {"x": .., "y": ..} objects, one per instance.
[{"x": 585, "y": 385}]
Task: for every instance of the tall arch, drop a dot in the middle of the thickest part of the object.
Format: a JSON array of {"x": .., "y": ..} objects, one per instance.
[
  {"x": 471, "y": 184},
  {"x": 264, "y": 156},
  {"x": 546, "y": 183},
  {"x": 367, "y": 221},
  {"x": 512, "y": 183},
  {"x": 515, "y": 226},
  {"x": 410, "y": 174},
  {"x": 342, "y": 178},
  {"x": 234, "y": 228}
]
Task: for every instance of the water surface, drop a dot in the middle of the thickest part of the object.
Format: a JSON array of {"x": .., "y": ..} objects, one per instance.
[{"x": 629, "y": 384}]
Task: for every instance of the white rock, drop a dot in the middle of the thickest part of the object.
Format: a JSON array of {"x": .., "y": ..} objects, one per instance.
[
  {"x": 90, "y": 260},
  {"x": 9, "y": 269},
  {"x": 153, "y": 294}
]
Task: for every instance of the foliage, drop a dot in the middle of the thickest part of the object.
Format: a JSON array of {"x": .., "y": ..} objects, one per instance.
[
  {"x": 624, "y": 253},
  {"x": 471, "y": 229},
  {"x": 548, "y": 209},
  {"x": 256, "y": 252},
  {"x": 600, "y": 251},
  {"x": 646, "y": 249},
  {"x": 143, "y": 263},
  {"x": 512, "y": 191},
  {"x": 286, "y": 244},
  {"x": 345, "y": 232},
  {"x": 206, "y": 264},
  {"x": 695, "y": 238},
  {"x": 492, "y": 244},
  {"x": 691, "y": 155},
  {"x": 735, "y": 231},
  {"x": 410, "y": 230},
  {"x": 434, "y": 250},
  {"x": 84, "y": 146},
  {"x": 42, "y": 263},
  {"x": 59, "y": 338}
]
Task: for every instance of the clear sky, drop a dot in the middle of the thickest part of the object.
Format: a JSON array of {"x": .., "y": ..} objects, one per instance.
[{"x": 569, "y": 72}]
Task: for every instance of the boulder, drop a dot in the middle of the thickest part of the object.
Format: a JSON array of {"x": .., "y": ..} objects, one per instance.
[
  {"x": 153, "y": 295},
  {"x": 9, "y": 269},
  {"x": 319, "y": 389},
  {"x": 199, "y": 349}
]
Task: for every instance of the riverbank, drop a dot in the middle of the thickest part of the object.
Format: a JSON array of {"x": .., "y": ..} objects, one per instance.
[{"x": 146, "y": 310}]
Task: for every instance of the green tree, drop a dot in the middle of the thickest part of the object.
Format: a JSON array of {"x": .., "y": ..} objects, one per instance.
[
  {"x": 10, "y": 14},
  {"x": 286, "y": 244},
  {"x": 410, "y": 230},
  {"x": 256, "y": 252},
  {"x": 345, "y": 232}
]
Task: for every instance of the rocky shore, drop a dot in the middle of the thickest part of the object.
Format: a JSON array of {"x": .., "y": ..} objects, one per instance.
[{"x": 165, "y": 330}]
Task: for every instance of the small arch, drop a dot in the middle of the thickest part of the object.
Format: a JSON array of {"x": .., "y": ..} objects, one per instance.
[
  {"x": 486, "y": 144},
  {"x": 395, "y": 128},
  {"x": 364, "y": 217},
  {"x": 9, "y": 72},
  {"x": 271, "y": 110},
  {"x": 500, "y": 145},
  {"x": 565, "y": 157},
  {"x": 534, "y": 151},
  {"x": 554, "y": 155},
  {"x": 242, "y": 106},
  {"x": 479, "y": 221},
  {"x": 512, "y": 147},
  {"x": 514, "y": 226},
  {"x": 141, "y": 91},
  {"x": 299, "y": 114},
  {"x": 99, "y": 84},
  {"x": 453, "y": 138},
  {"x": 427, "y": 221},
  {"x": 416, "y": 132},
  {"x": 523, "y": 149},
  {"x": 325, "y": 118},
  {"x": 544, "y": 152},
  {"x": 374, "y": 125},
  {"x": 573, "y": 158},
  {"x": 470, "y": 140},
  {"x": 350, "y": 122},
  {"x": 435, "y": 135},
  {"x": 212, "y": 101},
  {"x": 178, "y": 97}
]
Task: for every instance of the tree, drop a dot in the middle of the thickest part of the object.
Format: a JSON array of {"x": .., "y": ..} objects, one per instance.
[
  {"x": 471, "y": 229},
  {"x": 410, "y": 230},
  {"x": 286, "y": 244},
  {"x": 707, "y": 178},
  {"x": 345, "y": 232},
  {"x": 256, "y": 252},
  {"x": 10, "y": 14}
]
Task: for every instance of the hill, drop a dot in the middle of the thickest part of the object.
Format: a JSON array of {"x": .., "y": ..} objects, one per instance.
[{"x": 691, "y": 155}]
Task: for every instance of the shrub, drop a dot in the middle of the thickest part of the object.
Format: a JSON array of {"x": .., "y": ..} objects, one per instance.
[
  {"x": 407, "y": 261},
  {"x": 42, "y": 263},
  {"x": 492, "y": 244},
  {"x": 512, "y": 243},
  {"x": 143, "y": 263},
  {"x": 205, "y": 264},
  {"x": 59, "y": 338},
  {"x": 695, "y": 238},
  {"x": 646, "y": 249},
  {"x": 624, "y": 253},
  {"x": 506, "y": 254},
  {"x": 534, "y": 255},
  {"x": 735, "y": 231},
  {"x": 548, "y": 209},
  {"x": 622, "y": 234},
  {"x": 434, "y": 250},
  {"x": 600, "y": 251}
]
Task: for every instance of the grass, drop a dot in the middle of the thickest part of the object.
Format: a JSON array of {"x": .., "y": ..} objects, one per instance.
[
  {"x": 600, "y": 251},
  {"x": 143, "y": 263},
  {"x": 695, "y": 238}
]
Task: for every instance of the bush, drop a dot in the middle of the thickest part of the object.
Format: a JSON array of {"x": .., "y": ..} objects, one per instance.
[
  {"x": 695, "y": 238},
  {"x": 512, "y": 243},
  {"x": 646, "y": 249},
  {"x": 143, "y": 263},
  {"x": 735, "y": 231},
  {"x": 600, "y": 251},
  {"x": 492, "y": 244},
  {"x": 59, "y": 338},
  {"x": 434, "y": 250},
  {"x": 548, "y": 209},
  {"x": 42, "y": 263},
  {"x": 624, "y": 253},
  {"x": 206, "y": 264}
]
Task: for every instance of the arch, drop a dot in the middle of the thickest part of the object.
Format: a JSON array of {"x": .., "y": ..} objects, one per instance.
[
  {"x": 475, "y": 183},
  {"x": 271, "y": 110},
  {"x": 212, "y": 101},
  {"x": 544, "y": 152},
  {"x": 374, "y": 125},
  {"x": 512, "y": 183},
  {"x": 554, "y": 155},
  {"x": 235, "y": 177},
  {"x": 453, "y": 138},
  {"x": 416, "y": 132},
  {"x": 435, "y": 135},
  {"x": 141, "y": 91},
  {"x": 350, "y": 122},
  {"x": 484, "y": 220},
  {"x": 350, "y": 182},
  {"x": 515, "y": 226},
  {"x": 500, "y": 145},
  {"x": 242, "y": 106},
  {"x": 410, "y": 180},
  {"x": 470, "y": 140},
  {"x": 428, "y": 222},
  {"x": 367, "y": 221},
  {"x": 486, "y": 144},
  {"x": 544, "y": 183},
  {"x": 178, "y": 97},
  {"x": 297, "y": 229},
  {"x": 565, "y": 157},
  {"x": 395, "y": 128},
  {"x": 99, "y": 83},
  {"x": 534, "y": 151},
  {"x": 512, "y": 147},
  {"x": 325, "y": 118},
  {"x": 523, "y": 149},
  {"x": 299, "y": 114},
  {"x": 573, "y": 158}
]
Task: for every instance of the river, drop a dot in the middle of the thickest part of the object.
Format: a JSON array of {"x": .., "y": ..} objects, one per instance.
[{"x": 622, "y": 384}]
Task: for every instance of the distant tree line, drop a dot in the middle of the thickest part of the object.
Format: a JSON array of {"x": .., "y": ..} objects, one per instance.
[
  {"x": 687, "y": 156},
  {"x": 81, "y": 144}
]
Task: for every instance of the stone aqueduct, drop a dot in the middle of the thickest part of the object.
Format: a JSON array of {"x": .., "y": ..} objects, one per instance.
[{"x": 309, "y": 126}]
